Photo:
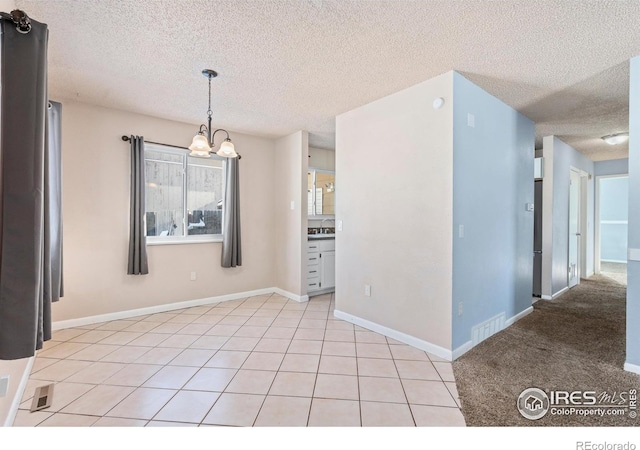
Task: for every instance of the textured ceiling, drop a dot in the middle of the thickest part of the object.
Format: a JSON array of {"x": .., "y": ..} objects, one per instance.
[{"x": 290, "y": 65}]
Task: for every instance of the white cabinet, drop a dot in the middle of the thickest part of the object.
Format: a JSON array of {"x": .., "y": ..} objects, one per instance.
[
  {"x": 321, "y": 266},
  {"x": 328, "y": 269}
]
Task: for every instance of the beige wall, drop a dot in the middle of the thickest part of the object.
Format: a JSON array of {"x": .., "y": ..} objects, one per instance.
[
  {"x": 396, "y": 210},
  {"x": 96, "y": 214},
  {"x": 290, "y": 185},
  {"x": 321, "y": 158}
]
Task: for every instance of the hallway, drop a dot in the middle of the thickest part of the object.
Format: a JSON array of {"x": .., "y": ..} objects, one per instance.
[
  {"x": 573, "y": 343},
  {"x": 614, "y": 271}
]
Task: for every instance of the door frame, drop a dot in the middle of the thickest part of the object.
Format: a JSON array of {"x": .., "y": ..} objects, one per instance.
[
  {"x": 583, "y": 192},
  {"x": 596, "y": 244}
]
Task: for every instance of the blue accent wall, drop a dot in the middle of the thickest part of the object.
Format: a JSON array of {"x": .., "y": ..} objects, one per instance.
[
  {"x": 492, "y": 184},
  {"x": 633, "y": 267},
  {"x": 564, "y": 158},
  {"x": 612, "y": 167},
  {"x": 614, "y": 206}
]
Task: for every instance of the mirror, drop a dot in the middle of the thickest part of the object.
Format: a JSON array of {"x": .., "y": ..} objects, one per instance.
[{"x": 321, "y": 192}]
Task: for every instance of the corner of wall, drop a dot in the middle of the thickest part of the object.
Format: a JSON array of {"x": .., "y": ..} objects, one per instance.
[
  {"x": 18, "y": 371},
  {"x": 493, "y": 180}
]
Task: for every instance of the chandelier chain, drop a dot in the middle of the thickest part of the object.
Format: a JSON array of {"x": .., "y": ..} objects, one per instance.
[{"x": 209, "y": 112}]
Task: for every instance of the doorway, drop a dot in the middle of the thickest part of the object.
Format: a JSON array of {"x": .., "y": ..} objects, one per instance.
[
  {"x": 577, "y": 230},
  {"x": 574, "y": 229},
  {"x": 537, "y": 239},
  {"x": 611, "y": 226}
]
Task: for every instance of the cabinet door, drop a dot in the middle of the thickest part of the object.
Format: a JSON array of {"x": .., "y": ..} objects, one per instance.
[{"x": 328, "y": 271}]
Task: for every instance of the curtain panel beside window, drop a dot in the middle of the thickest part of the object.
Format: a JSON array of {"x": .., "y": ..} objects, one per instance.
[
  {"x": 137, "y": 263},
  {"x": 30, "y": 193},
  {"x": 231, "y": 242}
]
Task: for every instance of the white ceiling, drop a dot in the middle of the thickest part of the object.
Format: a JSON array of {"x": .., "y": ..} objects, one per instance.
[{"x": 293, "y": 64}]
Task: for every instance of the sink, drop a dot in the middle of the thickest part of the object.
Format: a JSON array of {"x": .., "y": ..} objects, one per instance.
[{"x": 322, "y": 236}]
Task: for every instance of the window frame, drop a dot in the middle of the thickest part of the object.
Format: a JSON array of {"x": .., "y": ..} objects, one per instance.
[{"x": 183, "y": 239}]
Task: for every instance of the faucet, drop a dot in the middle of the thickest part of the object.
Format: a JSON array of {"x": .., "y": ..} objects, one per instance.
[{"x": 322, "y": 224}]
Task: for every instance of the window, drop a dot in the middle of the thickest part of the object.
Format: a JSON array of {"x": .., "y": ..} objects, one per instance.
[{"x": 183, "y": 196}]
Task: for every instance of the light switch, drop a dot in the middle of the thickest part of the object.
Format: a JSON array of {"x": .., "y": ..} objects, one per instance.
[
  {"x": 460, "y": 231},
  {"x": 528, "y": 207},
  {"x": 293, "y": 205},
  {"x": 339, "y": 225},
  {"x": 471, "y": 120}
]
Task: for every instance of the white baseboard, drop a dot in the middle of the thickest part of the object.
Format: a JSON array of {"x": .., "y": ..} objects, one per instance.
[
  {"x": 292, "y": 296},
  {"x": 161, "y": 308},
  {"x": 464, "y": 348},
  {"x": 560, "y": 292},
  {"x": 520, "y": 315},
  {"x": 15, "y": 404},
  {"x": 397, "y": 335},
  {"x": 556, "y": 295},
  {"x": 632, "y": 368}
]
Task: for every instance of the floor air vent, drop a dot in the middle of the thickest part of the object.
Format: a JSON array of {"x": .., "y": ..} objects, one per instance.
[
  {"x": 487, "y": 329},
  {"x": 42, "y": 398}
]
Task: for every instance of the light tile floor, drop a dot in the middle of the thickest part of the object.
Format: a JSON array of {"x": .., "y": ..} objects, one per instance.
[{"x": 259, "y": 361}]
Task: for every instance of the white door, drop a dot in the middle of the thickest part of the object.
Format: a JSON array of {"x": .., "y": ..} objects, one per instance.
[{"x": 574, "y": 229}]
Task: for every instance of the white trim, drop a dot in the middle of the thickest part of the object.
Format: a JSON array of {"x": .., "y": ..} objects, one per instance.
[
  {"x": 556, "y": 295},
  {"x": 397, "y": 335},
  {"x": 520, "y": 315},
  {"x": 614, "y": 260},
  {"x": 292, "y": 296},
  {"x": 634, "y": 368},
  {"x": 633, "y": 254},
  {"x": 158, "y": 308},
  {"x": 464, "y": 348},
  {"x": 614, "y": 222},
  {"x": 15, "y": 404},
  {"x": 179, "y": 240}
]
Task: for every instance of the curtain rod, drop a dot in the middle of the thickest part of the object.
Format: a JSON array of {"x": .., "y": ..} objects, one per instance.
[{"x": 127, "y": 139}]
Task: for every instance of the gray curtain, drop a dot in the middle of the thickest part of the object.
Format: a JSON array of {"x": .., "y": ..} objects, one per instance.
[
  {"x": 30, "y": 196},
  {"x": 137, "y": 236},
  {"x": 231, "y": 248}
]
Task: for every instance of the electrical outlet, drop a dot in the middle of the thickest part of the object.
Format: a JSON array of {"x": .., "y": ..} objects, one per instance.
[
  {"x": 194, "y": 276},
  {"x": 460, "y": 308},
  {"x": 4, "y": 385},
  {"x": 367, "y": 290}
]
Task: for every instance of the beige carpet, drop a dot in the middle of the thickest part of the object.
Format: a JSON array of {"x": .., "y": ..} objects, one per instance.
[
  {"x": 615, "y": 271},
  {"x": 576, "y": 342}
]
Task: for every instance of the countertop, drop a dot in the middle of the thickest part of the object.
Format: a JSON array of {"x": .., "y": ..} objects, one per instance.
[{"x": 319, "y": 237}]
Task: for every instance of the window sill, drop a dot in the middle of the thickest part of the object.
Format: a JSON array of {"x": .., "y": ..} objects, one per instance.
[{"x": 183, "y": 240}]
